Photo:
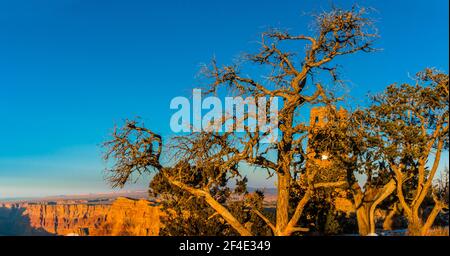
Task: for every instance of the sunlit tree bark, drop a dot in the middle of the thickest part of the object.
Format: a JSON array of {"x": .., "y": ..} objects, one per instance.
[
  {"x": 412, "y": 121},
  {"x": 287, "y": 75}
]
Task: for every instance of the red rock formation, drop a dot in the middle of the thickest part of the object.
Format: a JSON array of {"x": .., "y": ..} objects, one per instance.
[
  {"x": 131, "y": 218},
  {"x": 123, "y": 217}
]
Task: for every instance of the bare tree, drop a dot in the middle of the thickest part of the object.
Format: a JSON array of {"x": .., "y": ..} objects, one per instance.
[{"x": 136, "y": 149}]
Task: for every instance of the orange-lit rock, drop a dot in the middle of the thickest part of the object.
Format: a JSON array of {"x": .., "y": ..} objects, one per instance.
[
  {"x": 123, "y": 217},
  {"x": 131, "y": 218}
]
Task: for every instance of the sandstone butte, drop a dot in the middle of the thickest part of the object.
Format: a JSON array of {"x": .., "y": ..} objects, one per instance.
[{"x": 124, "y": 217}]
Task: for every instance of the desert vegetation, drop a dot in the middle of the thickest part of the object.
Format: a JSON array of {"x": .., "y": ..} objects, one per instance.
[{"x": 396, "y": 143}]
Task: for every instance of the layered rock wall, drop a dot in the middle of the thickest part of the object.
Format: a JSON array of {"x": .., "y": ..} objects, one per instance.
[{"x": 123, "y": 217}]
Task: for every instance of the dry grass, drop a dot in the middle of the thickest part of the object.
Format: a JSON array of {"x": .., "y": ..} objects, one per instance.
[{"x": 438, "y": 231}]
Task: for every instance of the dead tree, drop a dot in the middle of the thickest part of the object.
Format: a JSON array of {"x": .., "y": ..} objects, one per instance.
[{"x": 287, "y": 75}]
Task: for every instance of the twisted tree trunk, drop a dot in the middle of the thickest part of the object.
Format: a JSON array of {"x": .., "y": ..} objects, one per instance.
[
  {"x": 362, "y": 217},
  {"x": 389, "y": 220},
  {"x": 282, "y": 217},
  {"x": 366, "y": 203}
]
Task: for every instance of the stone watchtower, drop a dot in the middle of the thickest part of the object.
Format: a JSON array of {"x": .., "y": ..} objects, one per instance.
[
  {"x": 319, "y": 118},
  {"x": 330, "y": 170}
]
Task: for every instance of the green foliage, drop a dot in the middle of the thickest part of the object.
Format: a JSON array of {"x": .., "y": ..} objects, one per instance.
[{"x": 187, "y": 215}]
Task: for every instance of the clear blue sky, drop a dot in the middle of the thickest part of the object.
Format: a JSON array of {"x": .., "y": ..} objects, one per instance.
[{"x": 70, "y": 70}]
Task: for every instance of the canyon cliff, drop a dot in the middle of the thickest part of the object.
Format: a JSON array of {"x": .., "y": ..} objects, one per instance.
[{"x": 124, "y": 217}]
